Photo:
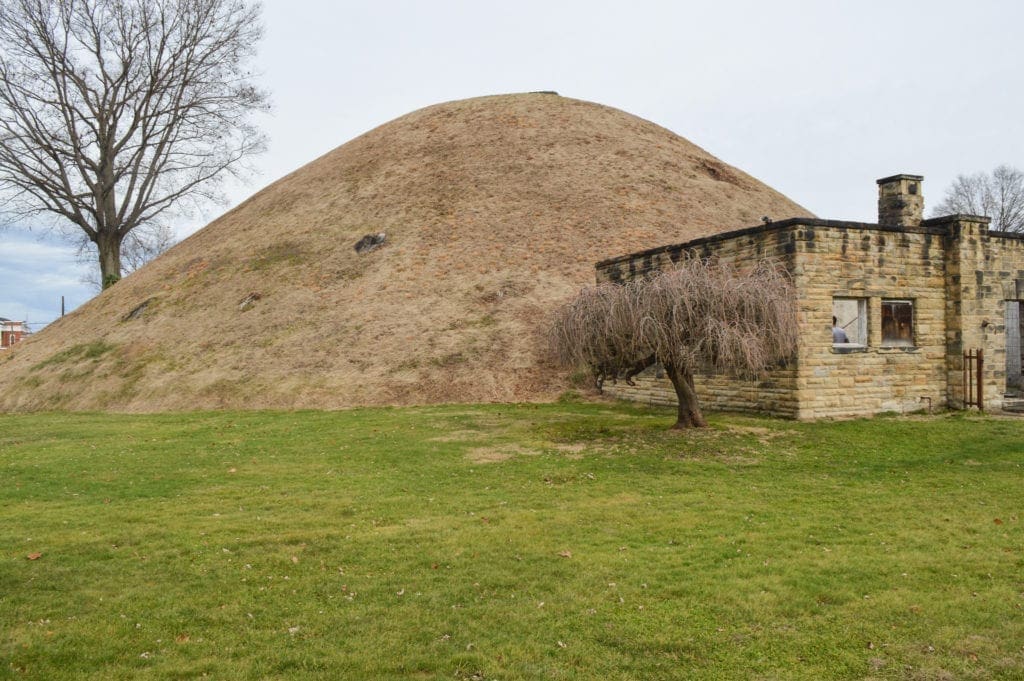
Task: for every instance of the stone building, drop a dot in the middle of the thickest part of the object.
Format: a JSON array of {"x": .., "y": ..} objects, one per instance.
[{"x": 913, "y": 296}]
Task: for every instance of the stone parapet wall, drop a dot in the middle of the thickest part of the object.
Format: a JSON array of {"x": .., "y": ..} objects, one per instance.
[{"x": 775, "y": 241}]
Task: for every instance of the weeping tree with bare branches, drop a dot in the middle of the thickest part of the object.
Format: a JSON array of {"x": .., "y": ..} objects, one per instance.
[
  {"x": 696, "y": 316},
  {"x": 114, "y": 113}
]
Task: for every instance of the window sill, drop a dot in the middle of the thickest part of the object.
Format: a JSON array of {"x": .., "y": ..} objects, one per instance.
[{"x": 851, "y": 348}]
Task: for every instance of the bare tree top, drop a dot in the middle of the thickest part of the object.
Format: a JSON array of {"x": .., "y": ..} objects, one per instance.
[
  {"x": 114, "y": 111},
  {"x": 998, "y": 195}
]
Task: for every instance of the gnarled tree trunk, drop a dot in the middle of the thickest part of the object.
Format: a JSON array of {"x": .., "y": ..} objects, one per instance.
[
  {"x": 109, "y": 248},
  {"x": 688, "y": 414}
]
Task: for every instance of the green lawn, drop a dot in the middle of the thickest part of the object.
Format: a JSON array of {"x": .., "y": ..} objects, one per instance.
[{"x": 567, "y": 541}]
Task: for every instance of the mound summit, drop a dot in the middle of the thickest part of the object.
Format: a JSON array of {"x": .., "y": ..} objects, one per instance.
[{"x": 495, "y": 210}]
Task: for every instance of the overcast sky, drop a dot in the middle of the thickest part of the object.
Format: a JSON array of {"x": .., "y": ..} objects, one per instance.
[{"x": 817, "y": 99}]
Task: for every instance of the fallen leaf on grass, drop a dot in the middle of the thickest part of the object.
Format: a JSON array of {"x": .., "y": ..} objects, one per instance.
[
  {"x": 34, "y": 556},
  {"x": 997, "y": 521},
  {"x": 181, "y": 638},
  {"x": 295, "y": 559},
  {"x": 565, "y": 554}
]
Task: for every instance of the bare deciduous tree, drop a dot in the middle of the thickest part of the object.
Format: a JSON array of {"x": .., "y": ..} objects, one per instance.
[
  {"x": 696, "y": 316},
  {"x": 998, "y": 195},
  {"x": 115, "y": 112}
]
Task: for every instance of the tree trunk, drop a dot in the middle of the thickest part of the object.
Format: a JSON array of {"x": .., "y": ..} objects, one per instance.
[
  {"x": 109, "y": 247},
  {"x": 689, "y": 414}
]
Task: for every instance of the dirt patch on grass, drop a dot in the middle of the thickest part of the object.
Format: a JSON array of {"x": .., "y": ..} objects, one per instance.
[
  {"x": 737, "y": 459},
  {"x": 760, "y": 431},
  {"x": 498, "y": 453},
  {"x": 459, "y": 436},
  {"x": 572, "y": 451},
  {"x": 763, "y": 435}
]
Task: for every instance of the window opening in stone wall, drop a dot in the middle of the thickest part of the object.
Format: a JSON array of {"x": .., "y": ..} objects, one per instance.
[
  {"x": 898, "y": 323},
  {"x": 1014, "y": 354},
  {"x": 851, "y": 323}
]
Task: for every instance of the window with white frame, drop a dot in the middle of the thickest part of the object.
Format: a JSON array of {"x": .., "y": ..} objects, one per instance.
[{"x": 849, "y": 322}]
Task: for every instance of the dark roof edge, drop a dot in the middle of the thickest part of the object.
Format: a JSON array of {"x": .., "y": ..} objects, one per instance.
[
  {"x": 900, "y": 176},
  {"x": 781, "y": 224},
  {"x": 956, "y": 216},
  {"x": 1016, "y": 236}
]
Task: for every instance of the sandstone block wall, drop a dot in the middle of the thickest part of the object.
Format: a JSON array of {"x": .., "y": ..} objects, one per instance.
[
  {"x": 984, "y": 270},
  {"x": 955, "y": 273},
  {"x": 874, "y": 263}
]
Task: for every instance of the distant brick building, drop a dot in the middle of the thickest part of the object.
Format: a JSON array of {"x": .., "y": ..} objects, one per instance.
[
  {"x": 913, "y": 296},
  {"x": 11, "y": 332}
]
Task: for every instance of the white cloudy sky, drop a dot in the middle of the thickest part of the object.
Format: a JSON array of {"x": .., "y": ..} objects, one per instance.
[{"x": 816, "y": 98}]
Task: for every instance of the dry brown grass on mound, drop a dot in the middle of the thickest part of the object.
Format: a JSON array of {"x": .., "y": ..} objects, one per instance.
[{"x": 495, "y": 211}]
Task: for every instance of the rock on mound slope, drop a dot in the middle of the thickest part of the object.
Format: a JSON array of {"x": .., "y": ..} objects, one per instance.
[{"x": 495, "y": 210}]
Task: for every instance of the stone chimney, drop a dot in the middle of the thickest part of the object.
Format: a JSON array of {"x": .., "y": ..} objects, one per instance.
[{"x": 900, "y": 201}]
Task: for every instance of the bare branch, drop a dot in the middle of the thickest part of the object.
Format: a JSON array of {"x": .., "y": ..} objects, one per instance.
[
  {"x": 114, "y": 111},
  {"x": 998, "y": 195}
]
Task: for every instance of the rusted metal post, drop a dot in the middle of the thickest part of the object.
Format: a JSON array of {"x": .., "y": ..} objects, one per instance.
[
  {"x": 966, "y": 380},
  {"x": 981, "y": 385},
  {"x": 974, "y": 384}
]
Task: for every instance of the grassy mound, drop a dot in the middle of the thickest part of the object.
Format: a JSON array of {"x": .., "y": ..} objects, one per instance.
[{"x": 494, "y": 210}]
